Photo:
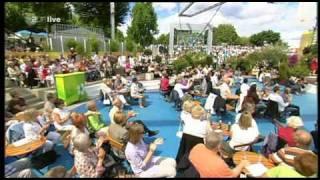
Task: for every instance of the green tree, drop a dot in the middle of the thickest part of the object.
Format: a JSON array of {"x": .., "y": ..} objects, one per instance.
[
  {"x": 144, "y": 24},
  {"x": 225, "y": 33},
  {"x": 15, "y": 16},
  {"x": 97, "y": 14},
  {"x": 163, "y": 39},
  {"x": 244, "y": 41},
  {"x": 269, "y": 37}
]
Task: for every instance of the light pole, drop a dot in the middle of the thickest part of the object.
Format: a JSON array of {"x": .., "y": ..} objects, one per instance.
[{"x": 112, "y": 19}]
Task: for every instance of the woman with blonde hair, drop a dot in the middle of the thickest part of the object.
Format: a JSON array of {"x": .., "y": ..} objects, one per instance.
[
  {"x": 196, "y": 126},
  {"x": 242, "y": 132},
  {"x": 186, "y": 109}
]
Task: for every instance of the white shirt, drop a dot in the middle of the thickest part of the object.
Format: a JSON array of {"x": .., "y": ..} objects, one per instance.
[
  {"x": 184, "y": 115},
  {"x": 179, "y": 88},
  {"x": 224, "y": 90},
  {"x": 195, "y": 127},
  {"x": 277, "y": 98},
  {"x": 244, "y": 88},
  {"x": 242, "y": 136},
  {"x": 134, "y": 89},
  {"x": 31, "y": 130}
]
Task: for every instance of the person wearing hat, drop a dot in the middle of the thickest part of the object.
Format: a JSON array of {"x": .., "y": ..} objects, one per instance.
[
  {"x": 196, "y": 126},
  {"x": 33, "y": 128},
  {"x": 286, "y": 133}
]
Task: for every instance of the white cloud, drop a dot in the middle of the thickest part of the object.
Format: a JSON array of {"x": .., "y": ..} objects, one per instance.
[
  {"x": 124, "y": 27},
  {"x": 164, "y": 6}
]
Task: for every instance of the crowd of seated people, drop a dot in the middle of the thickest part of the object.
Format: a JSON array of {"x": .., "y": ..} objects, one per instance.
[{"x": 202, "y": 148}]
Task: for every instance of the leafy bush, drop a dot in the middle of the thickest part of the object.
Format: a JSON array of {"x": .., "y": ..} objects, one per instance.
[
  {"x": 283, "y": 71},
  {"x": 158, "y": 59},
  {"x": 94, "y": 43},
  {"x": 147, "y": 52},
  {"x": 114, "y": 46},
  {"x": 180, "y": 64},
  {"x": 71, "y": 43},
  {"x": 80, "y": 50},
  {"x": 299, "y": 70},
  {"x": 130, "y": 45}
]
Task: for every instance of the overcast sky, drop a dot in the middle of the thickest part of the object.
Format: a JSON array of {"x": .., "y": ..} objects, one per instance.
[{"x": 290, "y": 19}]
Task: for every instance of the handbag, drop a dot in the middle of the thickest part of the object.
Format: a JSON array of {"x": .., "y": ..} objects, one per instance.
[{"x": 180, "y": 132}]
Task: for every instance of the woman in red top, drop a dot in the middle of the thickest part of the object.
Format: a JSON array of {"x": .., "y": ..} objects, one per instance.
[
  {"x": 286, "y": 133},
  {"x": 314, "y": 65},
  {"x": 164, "y": 85}
]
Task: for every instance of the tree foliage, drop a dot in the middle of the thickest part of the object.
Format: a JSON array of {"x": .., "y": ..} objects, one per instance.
[
  {"x": 225, "y": 33},
  {"x": 163, "y": 39},
  {"x": 114, "y": 45},
  {"x": 269, "y": 37},
  {"x": 144, "y": 24},
  {"x": 97, "y": 14},
  {"x": 94, "y": 44},
  {"x": 15, "y": 16}
]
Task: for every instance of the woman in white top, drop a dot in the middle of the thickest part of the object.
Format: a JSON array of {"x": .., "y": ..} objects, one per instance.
[
  {"x": 243, "y": 132},
  {"x": 186, "y": 110},
  {"x": 194, "y": 130},
  {"x": 34, "y": 129},
  {"x": 61, "y": 116}
]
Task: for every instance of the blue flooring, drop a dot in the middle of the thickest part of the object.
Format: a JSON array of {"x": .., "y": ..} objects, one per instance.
[{"x": 160, "y": 115}]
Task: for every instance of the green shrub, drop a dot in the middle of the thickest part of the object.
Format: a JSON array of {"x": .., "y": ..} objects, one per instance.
[
  {"x": 94, "y": 44},
  {"x": 147, "y": 52},
  {"x": 80, "y": 50},
  {"x": 114, "y": 46},
  {"x": 130, "y": 46},
  {"x": 158, "y": 59},
  {"x": 283, "y": 71},
  {"x": 180, "y": 64},
  {"x": 71, "y": 43},
  {"x": 299, "y": 70}
]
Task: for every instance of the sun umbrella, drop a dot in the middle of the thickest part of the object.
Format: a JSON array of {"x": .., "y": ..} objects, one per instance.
[{"x": 24, "y": 33}]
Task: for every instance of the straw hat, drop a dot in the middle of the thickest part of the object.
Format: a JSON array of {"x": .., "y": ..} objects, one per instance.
[
  {"x": 197, "y": 112},
  {"x": 187, "y": 106},
  {"x": 28, "y": 115},
  {"x": 294, "y": 122}
]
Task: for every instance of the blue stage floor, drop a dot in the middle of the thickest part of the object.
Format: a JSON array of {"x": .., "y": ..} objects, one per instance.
[{"x": 160, "y": 115}]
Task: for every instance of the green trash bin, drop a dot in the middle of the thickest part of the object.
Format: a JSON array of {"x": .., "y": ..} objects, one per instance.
[{"x": 70, "y": 87}]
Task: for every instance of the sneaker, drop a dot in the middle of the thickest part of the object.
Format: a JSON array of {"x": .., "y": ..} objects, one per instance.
[{"x": 153, "y": 133}]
